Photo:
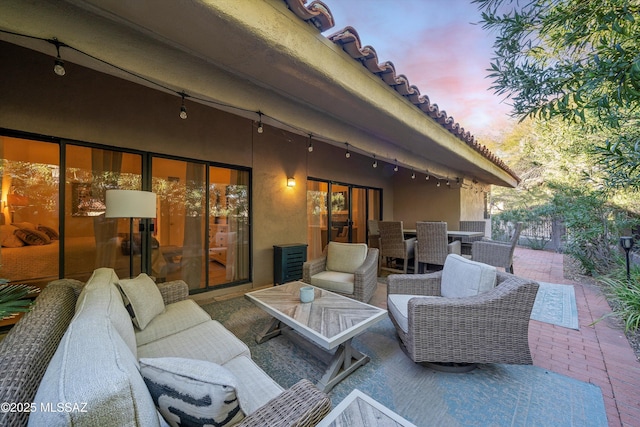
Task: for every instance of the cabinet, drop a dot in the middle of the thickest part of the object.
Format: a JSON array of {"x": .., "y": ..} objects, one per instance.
[{"x": 287, "y": 262}]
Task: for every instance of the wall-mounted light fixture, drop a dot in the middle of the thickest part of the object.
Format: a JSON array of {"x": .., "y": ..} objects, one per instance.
[
  {"x": 347, "y": 154},
  {"x": 395, "y": 168},
  {"x": 291, "y": 182},
  {"x": 375, "y": 161},
  {"x": 310, "y": 147}
]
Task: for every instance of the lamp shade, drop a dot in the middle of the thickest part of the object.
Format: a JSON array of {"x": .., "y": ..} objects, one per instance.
[{"x": 130, "y": 204}]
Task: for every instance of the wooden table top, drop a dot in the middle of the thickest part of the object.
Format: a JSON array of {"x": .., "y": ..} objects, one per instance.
[{"x": 328, "y": 321}]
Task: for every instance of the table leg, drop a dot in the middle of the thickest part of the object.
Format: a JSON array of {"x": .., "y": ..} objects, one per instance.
[
  {"x": 345, "y": 360},
  {"x": 272, "y": 330}
]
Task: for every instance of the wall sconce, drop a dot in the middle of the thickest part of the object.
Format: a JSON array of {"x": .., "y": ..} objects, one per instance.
[{"x": 291, "y": 182}]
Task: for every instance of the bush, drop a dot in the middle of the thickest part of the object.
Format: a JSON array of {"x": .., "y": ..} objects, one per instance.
[{"x": 624, "y": 294}]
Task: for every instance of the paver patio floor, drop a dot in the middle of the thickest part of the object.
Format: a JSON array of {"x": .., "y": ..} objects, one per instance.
[{"x": 599, "y": 354}]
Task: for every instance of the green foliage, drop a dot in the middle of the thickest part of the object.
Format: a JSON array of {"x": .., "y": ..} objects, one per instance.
[
  {"x": 593, "y": 227},
  {"x": 12, "y": 299},
  {"x": 625, "y": 295},
  {"x": 575, "y": 60}
]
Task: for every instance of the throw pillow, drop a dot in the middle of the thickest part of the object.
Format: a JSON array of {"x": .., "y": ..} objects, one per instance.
[
  {"x": 8, "y": 239},
  {"x": 142, "y": 298},
  {"x": 462, "y": 277},
  {"x": 32, "y": 237},
  {"x": 51, "y": 232},
  {"x": 189, "y": 392},
  {"x": 28, "y": 225}
]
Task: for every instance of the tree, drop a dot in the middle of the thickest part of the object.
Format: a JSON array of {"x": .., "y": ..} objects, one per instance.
[{"x": 574, "y": 59}]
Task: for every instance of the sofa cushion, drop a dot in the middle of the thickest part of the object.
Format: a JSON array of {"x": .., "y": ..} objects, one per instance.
[
  {"x": 207, "y": 341},
  {"x": 345, "y": 257},
  {"x": 334, "y": 281},
  {"x": 190, "y": 392},
  {"x": 142, "y": 299},
  {"x": 462, "y": 277},
  {"x": 100, "y": 293},
  {"x": 255, "y": 387},
  {"x": 93, "y": 365},
  {"x": 175, "y": 318}
]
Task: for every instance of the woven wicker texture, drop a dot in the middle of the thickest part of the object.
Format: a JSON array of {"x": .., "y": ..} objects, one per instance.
[
  {"x": 467, "y": 241},
  {"x": 432, "y": 246},
  {"x": 491, "y": 327},
  {"x": 498, "y": 254},
  {"x": 393, "y": 245},
  {"x": 173, "y": 291},
  {"x": 365, "y": 278},
  {"x": 303, "y": 404},
  {"x": 27, "y": 349}
]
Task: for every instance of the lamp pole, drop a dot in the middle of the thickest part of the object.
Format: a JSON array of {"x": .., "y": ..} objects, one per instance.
[{"x": 627, "y": 243}]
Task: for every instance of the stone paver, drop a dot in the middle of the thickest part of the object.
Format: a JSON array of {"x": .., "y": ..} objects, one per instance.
[{"x": 598, "y": 353}]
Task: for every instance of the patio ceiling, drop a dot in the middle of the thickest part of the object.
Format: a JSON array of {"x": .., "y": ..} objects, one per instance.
[{"x": 246, "y": 57}]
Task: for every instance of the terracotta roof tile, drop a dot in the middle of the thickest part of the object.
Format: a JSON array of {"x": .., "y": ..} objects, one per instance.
[{"x": 348, "y": 39}]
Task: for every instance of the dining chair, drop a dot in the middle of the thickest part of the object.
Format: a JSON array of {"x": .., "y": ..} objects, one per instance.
[
  {"x": 393, "y": 246},
  {"x": 479, "y": 226},
  {"x": 498, "y": 254},
  {"x": 432, "y": 245},
  {"x": 373, "y": 239}
]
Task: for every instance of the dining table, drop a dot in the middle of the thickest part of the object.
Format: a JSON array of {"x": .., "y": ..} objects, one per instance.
[{"x": 451, "y": 234}]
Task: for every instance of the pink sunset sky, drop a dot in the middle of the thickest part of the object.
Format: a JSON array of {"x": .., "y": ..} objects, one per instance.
[{"x": 436, "y": 45}]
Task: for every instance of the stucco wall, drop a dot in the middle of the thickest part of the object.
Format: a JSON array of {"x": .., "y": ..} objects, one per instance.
[
  {"x": 421, "y": 200},
  {"x": 96, "y": 108}
]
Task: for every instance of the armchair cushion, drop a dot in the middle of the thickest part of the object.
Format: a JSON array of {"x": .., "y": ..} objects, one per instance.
[
  {"x": 398, "y": 306},
  {"x": 334, "y": 281},
  {"x": 345, "y": 257},
  {"x": 464, "y": 278}
]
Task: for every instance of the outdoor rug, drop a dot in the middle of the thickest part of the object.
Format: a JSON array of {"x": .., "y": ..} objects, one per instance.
[
  {"x": 491, "y": 395},
  {"x": 556, "y": 304}
]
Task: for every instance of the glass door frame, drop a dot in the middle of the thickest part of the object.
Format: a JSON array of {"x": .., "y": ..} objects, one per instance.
[{"x": 349, "y": 199}]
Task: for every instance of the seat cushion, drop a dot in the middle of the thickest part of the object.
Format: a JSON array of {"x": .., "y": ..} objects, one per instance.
[
  {"x": 398, "y": 306},
  {"x": 345, "y": 257},
  {"x": 175, "y": 318},
  {"x": 192, "y": 392},
  {"x": 334, "y": 281},
  {"x": 255, "y": 387},
  {"x": 206, "y": 341},
  {"x": 462, "y": 277},
  {"x": 142, "y": 298}
]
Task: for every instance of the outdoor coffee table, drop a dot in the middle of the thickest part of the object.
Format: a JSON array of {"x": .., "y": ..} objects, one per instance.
[{"x": 330, "y": 321}]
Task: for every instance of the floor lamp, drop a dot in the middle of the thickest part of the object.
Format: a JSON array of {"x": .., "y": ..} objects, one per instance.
[{"x": 130, "y": 204}]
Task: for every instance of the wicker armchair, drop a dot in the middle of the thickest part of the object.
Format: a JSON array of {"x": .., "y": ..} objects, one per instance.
[
  {"x": 498, "y": 254},
  {"x": 349, "y": 269},
  {"x": 432, "y": 245},
  {"x": 394, "y": 246},
  {"x": 490, "y": 327}
]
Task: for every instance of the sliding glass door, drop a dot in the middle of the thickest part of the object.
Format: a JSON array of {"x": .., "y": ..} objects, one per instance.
[
  {"x": 203, "y": 222},
  {"x": 339, "y": 212},
  {"x": 52, "y": 221}
]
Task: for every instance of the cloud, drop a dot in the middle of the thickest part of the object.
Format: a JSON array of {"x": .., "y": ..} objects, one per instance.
[{"x": 437, "y": 48}]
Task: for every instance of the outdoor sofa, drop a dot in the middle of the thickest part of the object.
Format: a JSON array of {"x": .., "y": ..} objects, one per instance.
[{"x": 81, "y": 362}]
